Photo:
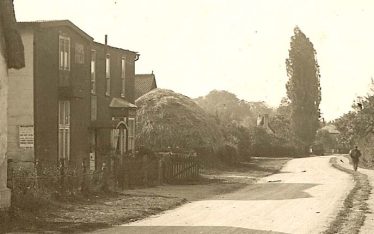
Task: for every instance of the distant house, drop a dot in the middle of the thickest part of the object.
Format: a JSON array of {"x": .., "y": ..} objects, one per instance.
[
  {"x": 331, "y": 146},
  {"x": 331, "y": 129},
  {"x": 263, "y": 121},
  {"x": 144, "y": 83},
  {"x": 74, "y": 98}
]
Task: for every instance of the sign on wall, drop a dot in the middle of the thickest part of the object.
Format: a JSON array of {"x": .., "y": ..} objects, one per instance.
[
  {"x": 92, "y": 161},
  {"x": 26, "y": 136}
]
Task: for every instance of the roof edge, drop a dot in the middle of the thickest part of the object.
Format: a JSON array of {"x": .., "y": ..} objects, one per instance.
[{"x": 56, "y": 23}]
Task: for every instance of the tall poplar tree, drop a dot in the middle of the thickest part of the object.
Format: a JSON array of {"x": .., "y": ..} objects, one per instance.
[{"x": 303, "y": 88}]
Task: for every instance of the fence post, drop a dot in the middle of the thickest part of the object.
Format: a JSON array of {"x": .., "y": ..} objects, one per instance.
[
  {"x": 105, "y": 176},
  {"x": 12, "y": 177},
  {"x": 36, "y": 165},
  {"x": 84, "y": 185},
  {"x": 145, "y": 169},
  {"x": 62, "y": 176},
  {"x": 160, "y": 172},
  {"x": 126, "y": 172}
]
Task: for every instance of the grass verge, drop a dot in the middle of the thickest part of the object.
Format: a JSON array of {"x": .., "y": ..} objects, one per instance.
[{"x": 352, "y": 215}]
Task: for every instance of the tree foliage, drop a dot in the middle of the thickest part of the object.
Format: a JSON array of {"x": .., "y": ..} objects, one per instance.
[
  {"x": 227, "y": 108},
  {"x": 303, "y": 87},
  {"x": 345, "y": 125}
]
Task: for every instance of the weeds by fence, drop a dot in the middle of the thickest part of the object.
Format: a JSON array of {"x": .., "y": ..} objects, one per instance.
[{"x": 128, "y": 172}]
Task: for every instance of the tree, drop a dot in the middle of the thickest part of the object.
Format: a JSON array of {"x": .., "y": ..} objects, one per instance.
[
  {"x": 303, "y": 88},
  {"x": 280, "y": 121},
  {"x": 227, "y": 108}
]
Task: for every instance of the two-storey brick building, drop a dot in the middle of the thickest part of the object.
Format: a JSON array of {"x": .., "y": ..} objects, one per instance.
[
  {"x": 74, "y": 97},
  {"x": 112, "y": 101}
]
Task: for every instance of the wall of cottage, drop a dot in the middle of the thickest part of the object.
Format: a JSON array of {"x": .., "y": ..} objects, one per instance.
[
  {"x": 21, "y": 108},
  {"x": 4, "y": 191}
]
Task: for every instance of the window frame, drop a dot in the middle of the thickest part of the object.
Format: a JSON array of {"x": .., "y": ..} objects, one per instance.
[
  {"x": 131, "y": 123},
  {"x": 79, "y": 53},
  {"x": 93, "y": 71},
  {"x": 64, "y": 116},
  {"x": 107, "y": 74},
  {"x": 118, "y": 136},
  {"x": 123, "y": 76},
  {"x": 64, "y": 53}
]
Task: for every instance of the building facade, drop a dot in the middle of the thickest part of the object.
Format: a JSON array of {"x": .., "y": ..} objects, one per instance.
[
  {"x": 61, "y": 100},
  {"x": 112, "y": 102}
]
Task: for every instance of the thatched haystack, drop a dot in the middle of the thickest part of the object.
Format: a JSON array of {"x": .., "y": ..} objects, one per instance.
[{"x": 168, "y": 119}]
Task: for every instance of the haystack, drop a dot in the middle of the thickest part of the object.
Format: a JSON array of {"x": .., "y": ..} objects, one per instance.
[{"x": 168, "y": 119}]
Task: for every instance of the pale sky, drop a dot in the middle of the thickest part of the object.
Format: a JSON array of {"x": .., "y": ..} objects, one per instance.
[{"x": 195, "y": 46}]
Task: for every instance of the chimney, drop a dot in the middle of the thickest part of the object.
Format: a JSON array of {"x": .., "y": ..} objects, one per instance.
[{"x": 106, "y": 39}]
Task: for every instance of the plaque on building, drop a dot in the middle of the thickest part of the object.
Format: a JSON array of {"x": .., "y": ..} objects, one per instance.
[
  {"x": 26, "y": 136},
  {"x": 92, "y": 161}
]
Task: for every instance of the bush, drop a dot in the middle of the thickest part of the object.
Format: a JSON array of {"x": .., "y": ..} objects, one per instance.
[
  {"x": 265, "y": 144},
  {"x": 228, "y": 154}
]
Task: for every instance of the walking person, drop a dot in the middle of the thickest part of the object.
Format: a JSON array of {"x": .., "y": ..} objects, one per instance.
[{"x": 355, "y": 156}]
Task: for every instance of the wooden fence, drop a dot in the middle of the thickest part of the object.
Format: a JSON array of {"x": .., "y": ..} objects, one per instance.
[
  {"x": 181, "y": 168},
  {"x": 116, "y": 174},
  {"x": 172, "y": 168}
]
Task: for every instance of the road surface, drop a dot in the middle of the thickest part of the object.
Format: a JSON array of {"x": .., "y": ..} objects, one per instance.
[{"x": 303, "y": 198}]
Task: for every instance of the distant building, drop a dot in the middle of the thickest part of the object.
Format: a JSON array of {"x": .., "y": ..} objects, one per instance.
[
  {"x": 331, "y": 146},
  {"x": 331, "y": 129},
  {"x": 74, "y": 98},
  {"x": 263, "y": 121},
  {"x": 144, "y": 83}
]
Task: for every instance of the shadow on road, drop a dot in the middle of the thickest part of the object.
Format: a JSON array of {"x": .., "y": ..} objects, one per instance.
[
  {"x": 269, "y": 191},
  {"x": 183, "y": 229}
]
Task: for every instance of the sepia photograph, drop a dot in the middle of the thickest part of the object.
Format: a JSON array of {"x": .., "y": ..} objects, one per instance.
[{"x": 187, "y": 116}]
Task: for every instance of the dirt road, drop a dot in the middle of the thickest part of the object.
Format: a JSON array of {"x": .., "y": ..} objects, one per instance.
[{"x": 303, "y": 198}]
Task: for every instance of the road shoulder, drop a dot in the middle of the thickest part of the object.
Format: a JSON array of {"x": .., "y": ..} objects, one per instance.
[{"x": 352, "y": 215}]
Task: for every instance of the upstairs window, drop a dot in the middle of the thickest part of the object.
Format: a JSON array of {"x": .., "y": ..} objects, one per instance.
[
  {"x": 64, "y": 53},
  {"x": 107, "y": 75},
  {"x": 79, "y": 53},
  {"x": 93, "y": 72},
  {"x": 123, "y": 76}
]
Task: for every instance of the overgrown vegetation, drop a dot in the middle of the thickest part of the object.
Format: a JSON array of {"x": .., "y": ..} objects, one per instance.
[{"x": 357, "y": 127}]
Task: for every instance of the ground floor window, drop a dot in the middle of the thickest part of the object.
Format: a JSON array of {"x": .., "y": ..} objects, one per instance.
[
  {"x": 92, "y": 163},
  {"x": 131, "y": 132},
  {"x": 64, "y": 130}
]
